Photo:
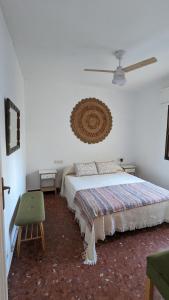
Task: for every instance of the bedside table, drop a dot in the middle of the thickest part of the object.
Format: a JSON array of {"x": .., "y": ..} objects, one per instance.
[
  {"x": 129, "y": 168},
  {"x": 48, "y": 180}
]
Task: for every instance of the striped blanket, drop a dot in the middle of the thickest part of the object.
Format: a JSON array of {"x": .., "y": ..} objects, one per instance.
[{"x": 96, "y": 202}]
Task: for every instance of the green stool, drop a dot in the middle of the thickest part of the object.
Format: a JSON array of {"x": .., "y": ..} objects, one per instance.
[
  {"x": 30, "y": 217},
  {"x": 158, "y": 274}
]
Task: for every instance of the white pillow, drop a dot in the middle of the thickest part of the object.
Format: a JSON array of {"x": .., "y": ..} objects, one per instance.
[
  {"x": 108, "y": 167},
  {"x": 85, "y": 169}
]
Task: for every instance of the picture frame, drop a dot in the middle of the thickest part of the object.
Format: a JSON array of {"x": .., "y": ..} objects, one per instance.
[{"x": 12, "y": 126}]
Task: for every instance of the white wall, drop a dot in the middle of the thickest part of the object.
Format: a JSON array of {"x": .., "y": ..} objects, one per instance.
[
  {"x": 13, "y": 166},
  {"x": 138, "y": 133},
  {"x": 150, "y": 134},
  {"x": 49, "y": 136}
]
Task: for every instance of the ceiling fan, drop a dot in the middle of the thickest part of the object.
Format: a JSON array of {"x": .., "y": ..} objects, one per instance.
[{"x": 119, "y": 74}]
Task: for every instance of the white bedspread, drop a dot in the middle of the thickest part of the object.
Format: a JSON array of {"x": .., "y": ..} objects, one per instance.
[
  {"x": 140, "y": 217},
  {"x": 74, "y": 184}
]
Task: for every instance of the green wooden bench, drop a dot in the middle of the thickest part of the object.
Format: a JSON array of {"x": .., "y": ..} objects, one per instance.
[{"x": 30, "y": 217}]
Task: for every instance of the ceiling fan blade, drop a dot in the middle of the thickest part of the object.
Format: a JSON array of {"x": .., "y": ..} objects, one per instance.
[
  {"x": 140, "y": 64},
  {"x": 96, "y": 70}
]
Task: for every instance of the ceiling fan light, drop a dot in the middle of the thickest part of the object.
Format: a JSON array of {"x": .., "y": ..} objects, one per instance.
[{"x": 119, "y": 77}]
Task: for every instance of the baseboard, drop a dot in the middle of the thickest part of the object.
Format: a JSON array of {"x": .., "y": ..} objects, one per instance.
[
  {"x": 14, "y": 239},
  {"x": 36, "y": 190},
  {"x": 13, "y": 243}
]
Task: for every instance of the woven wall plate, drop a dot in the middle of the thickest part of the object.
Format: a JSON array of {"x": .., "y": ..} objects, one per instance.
[{"x": 91, "y": 120}]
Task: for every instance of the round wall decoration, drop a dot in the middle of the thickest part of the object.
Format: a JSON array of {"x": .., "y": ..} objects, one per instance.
[{"x": 91, "y": 120}]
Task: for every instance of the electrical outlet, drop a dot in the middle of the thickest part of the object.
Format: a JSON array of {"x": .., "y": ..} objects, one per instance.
[{"x": 58, "y": 161}]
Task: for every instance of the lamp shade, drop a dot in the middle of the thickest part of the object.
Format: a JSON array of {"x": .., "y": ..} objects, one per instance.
[{"x": 119, "y": 77}]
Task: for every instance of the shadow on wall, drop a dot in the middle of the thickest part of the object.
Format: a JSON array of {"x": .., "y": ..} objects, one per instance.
[
  {"x": 33, "y": 180},
  {"x": 13, "y": 229}
]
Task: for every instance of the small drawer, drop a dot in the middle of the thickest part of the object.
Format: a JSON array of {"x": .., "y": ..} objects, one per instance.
[
  {"x": 48, "y": 176},
  {"x": 130, "y": 170}
]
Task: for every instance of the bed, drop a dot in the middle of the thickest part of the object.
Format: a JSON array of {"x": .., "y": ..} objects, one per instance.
[{"x": 131, "y": 217}]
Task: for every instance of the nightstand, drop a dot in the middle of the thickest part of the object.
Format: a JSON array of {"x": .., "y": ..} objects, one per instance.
[
  {"x": 48, "y": 180},
  {"x": 129, "y": 168}
]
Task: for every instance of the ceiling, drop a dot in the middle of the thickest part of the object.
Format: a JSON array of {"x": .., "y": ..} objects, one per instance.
[{"x": 61, "y": 37}]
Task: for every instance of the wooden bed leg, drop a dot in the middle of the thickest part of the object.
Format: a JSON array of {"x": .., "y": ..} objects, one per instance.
[
  {"x": 19, "y": 240},
  {"x": 149, "y": 289},
  {"x": 42, "y": 236}
]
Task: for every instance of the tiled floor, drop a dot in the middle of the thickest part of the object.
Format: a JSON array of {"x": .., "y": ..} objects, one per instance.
[{"x": 60, "y": 274}]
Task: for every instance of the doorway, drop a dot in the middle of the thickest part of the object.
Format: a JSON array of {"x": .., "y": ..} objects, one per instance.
[{"x": 3, "y": 276}]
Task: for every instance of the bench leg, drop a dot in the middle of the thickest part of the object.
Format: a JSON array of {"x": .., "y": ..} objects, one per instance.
[
  {"x": 19, "y": 240},
  {"x": 149, "y": 289},
  {"x": 42, "y": 236}
]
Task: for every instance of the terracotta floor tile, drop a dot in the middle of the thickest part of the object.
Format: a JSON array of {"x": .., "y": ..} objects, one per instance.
[{"x": 60, "y": 274}]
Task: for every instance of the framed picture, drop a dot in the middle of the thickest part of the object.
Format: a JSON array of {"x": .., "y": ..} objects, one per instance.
[{"x": 12, "y": 126}]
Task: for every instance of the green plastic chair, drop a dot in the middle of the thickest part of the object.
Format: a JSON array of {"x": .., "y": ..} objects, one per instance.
[{"x": 158, "y": 274}]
